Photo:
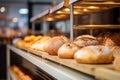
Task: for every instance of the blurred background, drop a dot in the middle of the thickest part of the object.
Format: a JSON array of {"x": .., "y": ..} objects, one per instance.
[{"x": 15, "y": 22}]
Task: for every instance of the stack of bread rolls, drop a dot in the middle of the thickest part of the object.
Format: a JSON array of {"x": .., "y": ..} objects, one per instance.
[
  {"x": 20, "y": 74},
  {"x": 84, "y": 48}
]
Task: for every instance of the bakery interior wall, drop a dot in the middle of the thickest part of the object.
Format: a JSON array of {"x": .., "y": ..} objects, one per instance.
[{"x": 11, "y": 20}]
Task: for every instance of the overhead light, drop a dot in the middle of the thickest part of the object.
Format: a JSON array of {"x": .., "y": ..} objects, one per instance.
[
  {"x": 75, "y": 12},
  {"x": 2, "y": 9},
  {"x": 93, "y": 7},
  {"x": 67, "y": 9},
  {"x": 23, "y": 11},
  {"x": 49, "y": 19},
  {"x": 85, "y": 10},
  {"x": 59, "y": 16},
  {"x": 59, "y": 12}
]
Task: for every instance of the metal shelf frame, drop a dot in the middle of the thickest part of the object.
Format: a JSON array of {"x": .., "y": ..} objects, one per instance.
[{"x": 92, "y": 6}]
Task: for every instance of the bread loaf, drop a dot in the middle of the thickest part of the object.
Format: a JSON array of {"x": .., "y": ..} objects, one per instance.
[
  {"x": 94, "y": 54},
  {"x": 29, "y": 38},
  {"x": 115, "y": 51},
  {"x": 53, "y": 44},
  {"x": 39, "y": 45},
  {"x": 112, "y": 40},
  {"x": 68, "y": 50},
  {"x": 116, "y": 63},
  {"x": 86, "y": 40},
  {"x": 20, "y": 43}
]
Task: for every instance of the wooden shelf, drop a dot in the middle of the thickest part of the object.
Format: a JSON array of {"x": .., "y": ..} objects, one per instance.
[
  {"x": 107, "y": 74},
  {"x": 54, "y": 69},
  {"x": 85, "y": 68}
]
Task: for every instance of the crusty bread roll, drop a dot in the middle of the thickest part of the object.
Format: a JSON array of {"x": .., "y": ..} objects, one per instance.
[
  {"x": 94, "y": 54},
  {"x": 25, "y": 77},
  {"x": 37, "y": 38},
  {"x": 30, "y": 43},
  {"x": 29, "y": 38},
  {"x": 20, "y": 43},
  {"x": 116, "y": 63},
  {"x": 115, "y": 51},
  {"x": 68, "y": 50},
  {"x": 39, "y": 45},
  {"x": 53, "y": 44},
  {"x": 86, "y": 40},
  {"x": 112, "y": 40},
  {"x": 102, "y": 37}
]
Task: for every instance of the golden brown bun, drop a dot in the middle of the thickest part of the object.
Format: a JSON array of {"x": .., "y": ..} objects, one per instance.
[
  {"x": 20, "y": 43},
  {"x": 115, "y": 51},
  {"x": 26, "y": 77},
  {"x": 37, "y": 38},
  {"x": 116, "y": 63},
  {"x": 29, "y": 38},
  {"x": 101, "y": 37},
  {"x": 54, "y": 44},
  {"x": 94, "y": 54},
  {"x": 39, "y": 45},
  {"x": 19, "y": 74},
  {"x": 86, "y": 40},
  {"x": 68, "y": 50},
  {"x": 112, "y": 40},
  {"x": 30, "y": 43}
]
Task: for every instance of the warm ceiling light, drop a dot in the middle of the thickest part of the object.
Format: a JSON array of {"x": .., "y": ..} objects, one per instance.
[
  {"x": 59, "y": 12},
  {"x": 2, "y": 9},
  {"x": 75, "y": 12},
  {"x": 93, "y": 7},
  {"x": 78, "y": 7},
  {"x": 67, "y": 9},
  {"x": 14, "y": 20},
  {"x": 49, "y": 19},
  {"x": 85, "y": 10},
  {"x": 59, "y": 16}
]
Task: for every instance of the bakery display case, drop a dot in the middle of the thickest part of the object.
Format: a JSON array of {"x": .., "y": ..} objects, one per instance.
[
  {"x": 93, "y": 14},
  {"x": 82, "y": 57}
]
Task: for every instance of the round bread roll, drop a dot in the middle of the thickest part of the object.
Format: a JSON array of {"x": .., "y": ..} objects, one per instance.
[
  {"x": 116, "y": 63},
  {"x": 33, "y": 41},
  {"x": 68, "y": 50},
  {"x": 115, "y": 51},
  {"x": 37, "y": 38},
  {"x": 29, "y": 38},
  {"x": 20, "y": 43},
  {"x": 26, "y": 77},
  {"x": 86, "y": 40},
  {"x": 94, "y": 54},
  {"x": 39, "y": 45},
  {"x": 112, "y": 40},
  {"x": 101, "y": 37},
  {"x": 53, "y": 44}
]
